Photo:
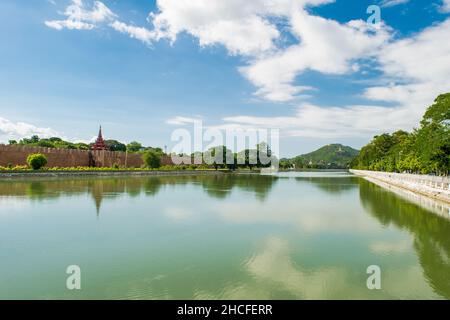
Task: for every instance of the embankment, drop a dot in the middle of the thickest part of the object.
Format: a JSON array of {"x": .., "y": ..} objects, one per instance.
[
  {"x": 430, "y": 186},
  {"x": 106, "y": 173}
]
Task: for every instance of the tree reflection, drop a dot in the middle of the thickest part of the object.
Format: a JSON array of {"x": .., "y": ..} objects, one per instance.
[
  {"x": 431, "y": 232},
  {"x": 217, "y": 186},
  {"x": 36, "y": 190},
  {"x": 221, "y": 186},
  {"x": 332, "y": 185}
]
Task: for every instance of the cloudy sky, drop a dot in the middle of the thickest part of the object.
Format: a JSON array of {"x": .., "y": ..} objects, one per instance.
[{"x": 315, "y": 69}]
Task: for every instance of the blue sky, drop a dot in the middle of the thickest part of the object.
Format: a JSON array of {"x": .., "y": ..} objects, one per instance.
[{"x": 67, "y": 66}]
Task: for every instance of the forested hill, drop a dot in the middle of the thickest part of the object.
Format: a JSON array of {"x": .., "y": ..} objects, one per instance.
[
  {"x": 329, "y": 156},
  {"x": 332, "y": 153}
]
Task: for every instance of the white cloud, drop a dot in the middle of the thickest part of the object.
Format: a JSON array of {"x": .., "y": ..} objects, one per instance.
[
  {"x": 69, "y": 24},
  {"x": 313, "y": 216},
  {"x": 325, "y": 46},
  {"x": 249, "y": 28},
  {"x": 80, "y": 18},
  {"x": 420, "y": 66},
  {"x": 238, "y": 25},
  {"x": 179, "y": 214},
  {"x": 138, "y": 33},
  {"x": 181, "y": 121},
  {"x": 392, "y": 3},
  {"x": 328, "y": 122},
  {"x": 249, "y": 36},
  {"x": 17, "y": 130},
  {"x": 416, "y": 69},
  {"x": 445, "y": 8},
  {"x": 12, "y": 206},
  {"x": 279, "y": 262},
  {"x": 385, "y": 247}
]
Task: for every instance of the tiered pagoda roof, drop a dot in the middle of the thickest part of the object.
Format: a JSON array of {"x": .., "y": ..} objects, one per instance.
[{"x": 99, "y": 143}]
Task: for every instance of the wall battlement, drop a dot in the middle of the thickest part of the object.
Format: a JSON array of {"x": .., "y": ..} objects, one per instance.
[{"x": 17, "y": 155}]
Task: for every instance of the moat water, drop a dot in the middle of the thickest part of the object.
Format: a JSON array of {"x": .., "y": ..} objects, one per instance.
[{"x": 290, "y": 236}]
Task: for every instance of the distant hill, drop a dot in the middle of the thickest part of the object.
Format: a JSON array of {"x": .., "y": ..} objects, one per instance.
[{"x": 332, "y": 155}]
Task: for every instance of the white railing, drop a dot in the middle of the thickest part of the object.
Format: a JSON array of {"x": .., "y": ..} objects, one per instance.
[{"x": 417, "y": 182}]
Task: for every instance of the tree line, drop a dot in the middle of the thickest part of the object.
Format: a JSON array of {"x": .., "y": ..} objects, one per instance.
[
  {"x": 56, "y": 142},
  {"x": 220, "y": 157},
  {"x": 425, "y": 150}
]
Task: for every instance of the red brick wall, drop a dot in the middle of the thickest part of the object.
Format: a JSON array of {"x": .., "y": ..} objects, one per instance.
[
  {"x": 166, "y": 161},
  {"x": 17, "y": 155}
]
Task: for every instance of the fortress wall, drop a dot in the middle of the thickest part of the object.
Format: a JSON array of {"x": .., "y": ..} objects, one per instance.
[
  {"x": 17, "y": 155},
  {"x": 130, "y": 160}
]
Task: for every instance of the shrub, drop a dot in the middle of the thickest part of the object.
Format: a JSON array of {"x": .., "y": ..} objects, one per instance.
[
  {"x": 20, "y": 168},
  {"x": 152, "y": 159},
  {"x": 36, "y": 161}
]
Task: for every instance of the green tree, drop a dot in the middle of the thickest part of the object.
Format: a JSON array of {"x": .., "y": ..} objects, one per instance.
[
  {"x": 152, "y": 159},
  {"x": 134, "y": 146},
  {"x": 439, "y": 112},
  {"x": 285, "y": 164},
  {"x": 45, "y": 143},
  {"x": 82, "y": 146},
  {"x": 34, "y": 139},
  {"x": 36, "y": 161},
  {"x": 426, "y": 150},
  {"x": 220, "y": 157},
  {"x": 114, "y": 145},
  {"x": 158, "y": 151},
  {"x": 247, "y": 157}
]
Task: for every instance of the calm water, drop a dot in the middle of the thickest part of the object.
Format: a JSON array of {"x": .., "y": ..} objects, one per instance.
[{"x": 294, "y": 236}]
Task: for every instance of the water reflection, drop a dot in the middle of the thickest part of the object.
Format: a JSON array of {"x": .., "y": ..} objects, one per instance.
[
  {"x": 221, "y": 186},
  {"x": 272, "y": 270},
  {"x": 216, "y": 186},
  {"x": 36, "y": 190},
  {"x": 220, "y": 237},
  {"x": 333, "y": 185},
  {"x": 431, "y": 232}
]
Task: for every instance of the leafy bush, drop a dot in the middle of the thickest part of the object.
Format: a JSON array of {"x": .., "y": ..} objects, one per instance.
[
  {"x": 36, "y": 161},
  {"x": 14, "y": 168},
  {"x": 152, "y": 159},
  {"x": 106, "y": 169}
]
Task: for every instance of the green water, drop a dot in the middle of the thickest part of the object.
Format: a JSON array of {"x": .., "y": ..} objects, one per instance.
[{"x": 292, "y": 236}]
